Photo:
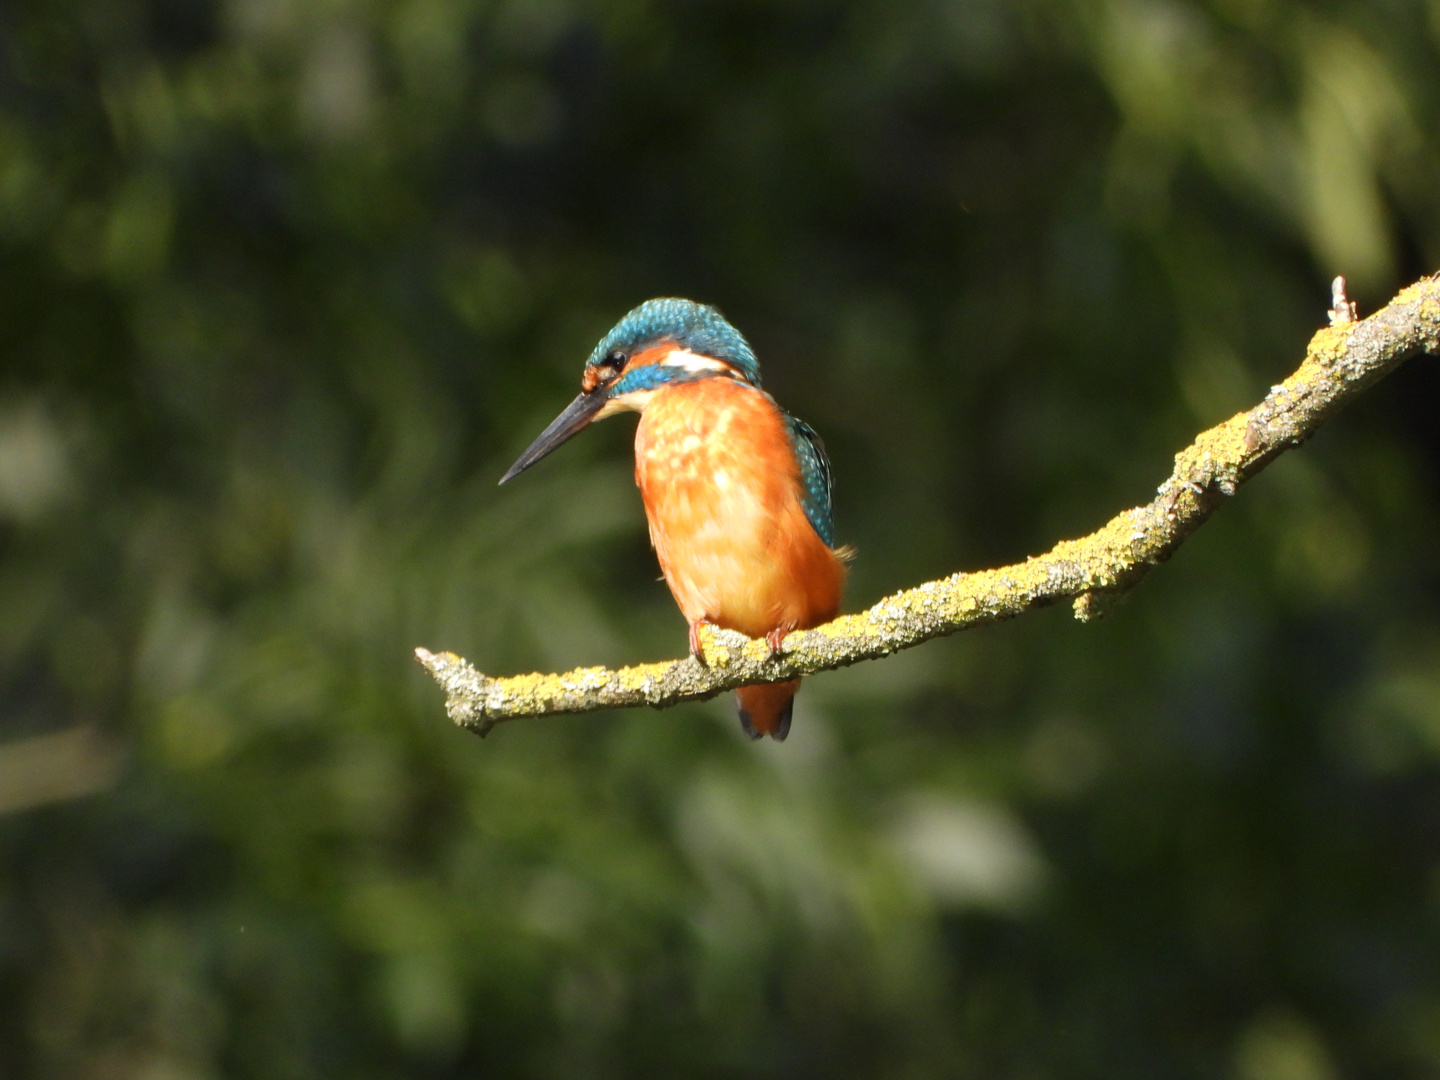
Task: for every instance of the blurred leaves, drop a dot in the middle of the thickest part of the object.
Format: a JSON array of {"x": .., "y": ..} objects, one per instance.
[{"x": 286, "y": 285}]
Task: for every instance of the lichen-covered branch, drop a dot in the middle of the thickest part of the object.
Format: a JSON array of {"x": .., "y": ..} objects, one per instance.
[{"x": 1342, "y": 360}]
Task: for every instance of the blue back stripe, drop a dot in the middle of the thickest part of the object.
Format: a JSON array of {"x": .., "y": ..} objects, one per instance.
[{"x": 815, "y": 479}]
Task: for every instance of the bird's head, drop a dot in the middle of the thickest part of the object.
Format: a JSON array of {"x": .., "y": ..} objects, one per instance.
[{"x": 661, "y": 342}]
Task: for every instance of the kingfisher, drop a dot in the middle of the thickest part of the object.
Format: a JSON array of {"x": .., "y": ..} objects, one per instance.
[{"x": 737, "y": 492}]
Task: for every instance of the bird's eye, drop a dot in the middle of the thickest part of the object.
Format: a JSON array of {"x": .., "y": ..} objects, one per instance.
[{"x": 616, "y": 360}]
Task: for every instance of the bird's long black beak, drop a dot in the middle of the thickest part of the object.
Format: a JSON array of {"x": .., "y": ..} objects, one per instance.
[{"x": 576, "y": 415}]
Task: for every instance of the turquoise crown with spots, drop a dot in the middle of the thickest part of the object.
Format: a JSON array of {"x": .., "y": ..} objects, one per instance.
[{"x": 699, "y": 328}]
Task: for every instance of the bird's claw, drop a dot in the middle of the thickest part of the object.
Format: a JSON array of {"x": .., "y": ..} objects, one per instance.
[
  {"x": 697, "y": 650},
  {"x": 776, "y": 640}
]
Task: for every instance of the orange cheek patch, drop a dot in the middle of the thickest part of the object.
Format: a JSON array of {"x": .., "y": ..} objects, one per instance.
[{"x": 649, "y": 356}]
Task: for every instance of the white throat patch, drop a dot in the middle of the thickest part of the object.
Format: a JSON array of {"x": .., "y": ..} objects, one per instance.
[{"x": 635, "y": 401}]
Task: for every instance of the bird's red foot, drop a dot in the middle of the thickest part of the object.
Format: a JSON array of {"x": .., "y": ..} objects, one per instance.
[
  {"x": 696, "y": 650},
  {"x": 775, "y": 639}
]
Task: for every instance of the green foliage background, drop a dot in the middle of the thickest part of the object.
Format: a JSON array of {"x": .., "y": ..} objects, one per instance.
[{"x": 284, "y": 286}]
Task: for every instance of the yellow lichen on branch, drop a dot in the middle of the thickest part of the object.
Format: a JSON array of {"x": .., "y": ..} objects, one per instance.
[{"x": 1341, "y": 361}]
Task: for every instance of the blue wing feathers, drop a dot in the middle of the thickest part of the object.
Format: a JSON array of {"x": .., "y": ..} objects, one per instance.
[{"x": 815, "y": 479}]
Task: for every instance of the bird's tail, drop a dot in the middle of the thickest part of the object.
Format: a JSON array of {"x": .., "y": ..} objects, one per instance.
[{"x": 766, "y": 707}]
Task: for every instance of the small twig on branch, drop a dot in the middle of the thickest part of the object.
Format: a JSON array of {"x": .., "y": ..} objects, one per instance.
[
  {"x": 1342, "y": 309},
  {"x": 1341, "y": 362}
]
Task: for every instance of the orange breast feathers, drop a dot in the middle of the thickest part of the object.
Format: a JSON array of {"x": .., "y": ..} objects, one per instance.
[{"x": 722, "y": 493}]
